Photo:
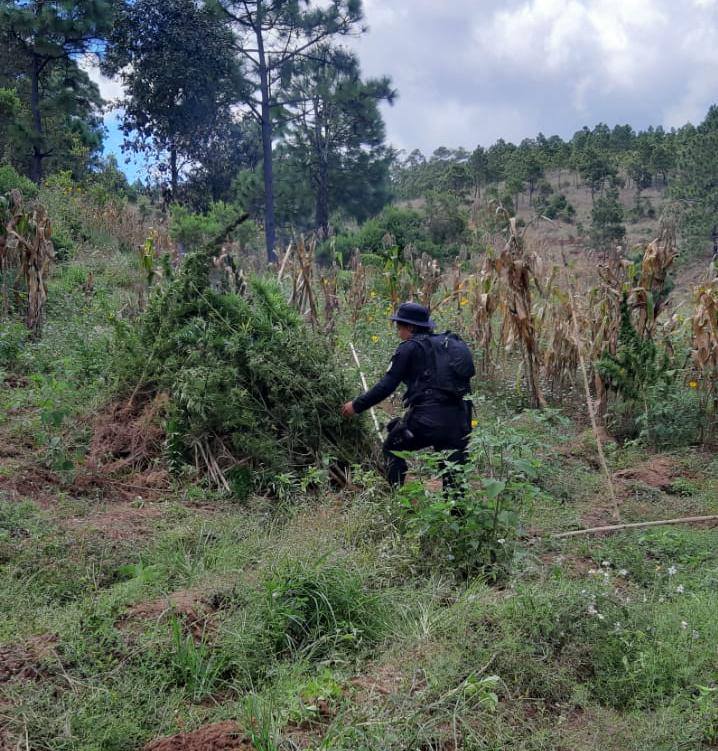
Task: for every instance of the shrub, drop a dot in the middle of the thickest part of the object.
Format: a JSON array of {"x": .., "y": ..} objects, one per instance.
[
  {"x": 12, "y": 340},
  {"x": 393, "y": 227},
  {"x": 652, "y": 405},
  {"x": 194, "y": 230},
  {"x": 555, "y": 206},
  {"x": 10, "y": 179},
  {"x": 470, "y": 526},
  {"x": 247, "y": 381}
]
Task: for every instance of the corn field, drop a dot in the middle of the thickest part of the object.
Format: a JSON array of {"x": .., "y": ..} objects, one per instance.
[{"x": 514, "y": 302}]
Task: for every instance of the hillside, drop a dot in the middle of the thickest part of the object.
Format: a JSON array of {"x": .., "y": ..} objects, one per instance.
[{"x": 143, "y": 606}]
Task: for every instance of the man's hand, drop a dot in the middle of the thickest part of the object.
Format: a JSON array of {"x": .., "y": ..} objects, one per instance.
[{"x": 348, "y": 410}]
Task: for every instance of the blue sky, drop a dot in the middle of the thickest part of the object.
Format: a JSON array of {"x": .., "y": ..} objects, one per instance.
[
  {"x": 133, "y": 167},
  {"x": 471, "y": 71}
]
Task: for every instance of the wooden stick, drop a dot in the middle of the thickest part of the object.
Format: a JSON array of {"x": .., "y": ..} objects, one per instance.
[
  {"x": 366, "y": 388},
  {"x": 589, "y": 399},
  {"x": 284, "y": 262},
  {"x": 635, "y": 525}
]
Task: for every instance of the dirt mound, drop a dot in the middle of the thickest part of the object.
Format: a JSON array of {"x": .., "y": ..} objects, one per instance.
[
  {"x": 381, "y": 680},
  {"x": 127, "y": 434},
  {"x": 219, "y": 736},
  {"x": 191, "y": 607},
  {"x": 25, "y": 662},
  {"x": 657, "y": 472}
]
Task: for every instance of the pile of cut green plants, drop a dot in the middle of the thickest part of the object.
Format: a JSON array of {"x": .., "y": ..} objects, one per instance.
[{"x": 248, "y": 391}]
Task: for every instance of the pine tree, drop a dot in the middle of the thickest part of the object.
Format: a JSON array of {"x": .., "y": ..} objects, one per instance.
[
  {"x": 47, "y": 37},
  {"x": 338, "y": 134},
  {"x": 273, "y": 37}
]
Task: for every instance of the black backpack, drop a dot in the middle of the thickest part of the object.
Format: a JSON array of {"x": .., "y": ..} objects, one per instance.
[{"x": 449, "y": 364}]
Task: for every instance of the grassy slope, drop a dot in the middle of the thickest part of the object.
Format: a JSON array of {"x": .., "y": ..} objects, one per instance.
[{"x": 310, "y": 620}]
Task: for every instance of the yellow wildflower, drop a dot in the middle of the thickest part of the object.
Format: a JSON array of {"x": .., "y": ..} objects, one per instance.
[
  {"x": 372, "y": 294},
  {"x": 474, "y": 423},
  {"x": 464, "y": 301},
  {"x": 375, "y": 338},
  {"x": 693, "y": 384}
]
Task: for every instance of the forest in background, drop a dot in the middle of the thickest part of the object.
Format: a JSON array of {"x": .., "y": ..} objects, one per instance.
[{"x": 295, "y": 135}]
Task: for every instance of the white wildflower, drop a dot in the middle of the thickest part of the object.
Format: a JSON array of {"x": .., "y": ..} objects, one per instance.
[
  {"x": 606, "y": 564},
  {"x": 695, "y": 635},
  {"x": 623, "y": 572},
  {"x": 501, "y": 540},
  {"x": 672, "y": 570},
  {"x": 680, "y": 589},
  {"x": 600, "y": 616},
  {"x": 684, "y": 625}
]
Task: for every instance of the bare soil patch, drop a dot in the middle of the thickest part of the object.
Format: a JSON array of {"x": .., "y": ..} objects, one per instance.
[
  {"x": 32, "y": 481},
  {"x": 26, "y": 661},
  {"x": 192, "y": 608},
  {"x": 658, "y": 472},
  {"x": 219, "y": 736}
]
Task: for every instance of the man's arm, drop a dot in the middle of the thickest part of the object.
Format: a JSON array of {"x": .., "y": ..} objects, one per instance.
[{"x": 388, "y": 384}]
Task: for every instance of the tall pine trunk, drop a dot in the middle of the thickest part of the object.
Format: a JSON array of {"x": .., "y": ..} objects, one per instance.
[
  {"x": 174, "y": 172},
  {"x": 322, "y": 201},
  {"x": 321, "y": 210},
  {"x": 37, "y": 150},
  {"x": 268, "y": 173}
]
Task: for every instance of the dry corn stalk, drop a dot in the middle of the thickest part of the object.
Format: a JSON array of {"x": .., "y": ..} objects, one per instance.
[
  {"x": 649, "y": 297},
  {"x": 358, "y": 293},
  {"x": 516, "y": 272},
  {"x": 560, "y": 359},
  {"x": 27, "y": 244},
  {"x": 484, "y": 303},
  {"x": 328, "y": 284},
  {"x": 302, "y": 277},
  {"x": 704, "y": 325},
  {"x": 428, "y": 276}
]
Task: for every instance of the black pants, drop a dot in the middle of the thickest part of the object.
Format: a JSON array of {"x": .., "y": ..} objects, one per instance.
[{"x": 443, "y": 427}]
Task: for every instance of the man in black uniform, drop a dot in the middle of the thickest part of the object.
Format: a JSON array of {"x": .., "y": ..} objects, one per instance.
[{"x": 434, "y": 418}]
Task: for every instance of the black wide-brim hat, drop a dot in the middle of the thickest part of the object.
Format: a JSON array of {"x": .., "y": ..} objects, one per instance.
[{"x": 413, "y": 314}]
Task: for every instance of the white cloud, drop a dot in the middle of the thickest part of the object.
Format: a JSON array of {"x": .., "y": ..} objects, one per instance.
[
  {"x": 470, "y": 71},
  {"x": 110, "y": 88}
]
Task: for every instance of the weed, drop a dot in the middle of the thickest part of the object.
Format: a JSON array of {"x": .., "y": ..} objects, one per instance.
[
  {"x": 197, "y": 667},
  {"x": 313, "y": 609},
  {"x": 471, "y": 525}
]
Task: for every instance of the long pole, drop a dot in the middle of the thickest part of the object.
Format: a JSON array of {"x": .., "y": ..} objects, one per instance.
[
  {"x": 635, "y": 525},
  {"x": 366, "y": 388}
]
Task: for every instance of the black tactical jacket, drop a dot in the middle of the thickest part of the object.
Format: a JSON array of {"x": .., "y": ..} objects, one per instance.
[{"x": 407, "y": 366}]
